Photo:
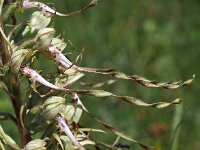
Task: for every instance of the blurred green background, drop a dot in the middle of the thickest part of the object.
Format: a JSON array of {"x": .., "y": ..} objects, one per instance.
[{"x": 156, "y": 39}]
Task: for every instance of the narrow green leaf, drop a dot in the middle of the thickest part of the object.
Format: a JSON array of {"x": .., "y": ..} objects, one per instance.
[
  {"x": 8, "y": 140},
  {"x": 7, "y": 116},
  {"x": 3, "y": 86}
]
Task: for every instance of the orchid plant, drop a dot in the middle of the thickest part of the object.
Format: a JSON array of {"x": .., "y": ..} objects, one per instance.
[{"x": 54, "y": 118}]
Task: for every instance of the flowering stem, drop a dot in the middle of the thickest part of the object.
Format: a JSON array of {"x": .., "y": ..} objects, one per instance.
[{"x": 25, "y": 136}]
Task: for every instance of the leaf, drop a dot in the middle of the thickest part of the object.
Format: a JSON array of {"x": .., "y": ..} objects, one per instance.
[
  {"x": 17, "y": 59},
  {"x": 3, "y": 86},
  {"x": 8, "y": 140},
  {"x": 7, "y": 116}
]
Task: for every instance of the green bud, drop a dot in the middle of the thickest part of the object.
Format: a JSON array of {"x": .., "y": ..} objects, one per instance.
[
  {"x": 44, "y": 37},
  {"x": 37, "y": 144},
  {"x": 53, "y": 106}
]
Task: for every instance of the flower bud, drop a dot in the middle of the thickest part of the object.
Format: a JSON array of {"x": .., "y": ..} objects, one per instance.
[
  {"x": 53, "y": 106},
  {"x": 44, "y": 37},
  {"x": 37, "y": 21},
  {"x": 35, "y": 144}
]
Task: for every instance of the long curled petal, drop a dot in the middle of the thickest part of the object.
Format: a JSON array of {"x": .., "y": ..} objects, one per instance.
[
  {"x": 66, "y": 63},
  {"x": 97, "y": 93}
]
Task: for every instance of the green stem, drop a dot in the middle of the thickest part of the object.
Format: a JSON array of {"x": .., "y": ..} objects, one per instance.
[
  {"x": 25, "y": 135},
  {"x": 176, "y": 127}
]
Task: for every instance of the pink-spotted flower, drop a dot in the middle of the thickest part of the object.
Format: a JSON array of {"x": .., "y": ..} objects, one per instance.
[
  {"x": 44, "y": 8},
  {"x": 37, "y": 77},
  {"x": 64, "y": 127},
  {"x": 60, "y": 58}
]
